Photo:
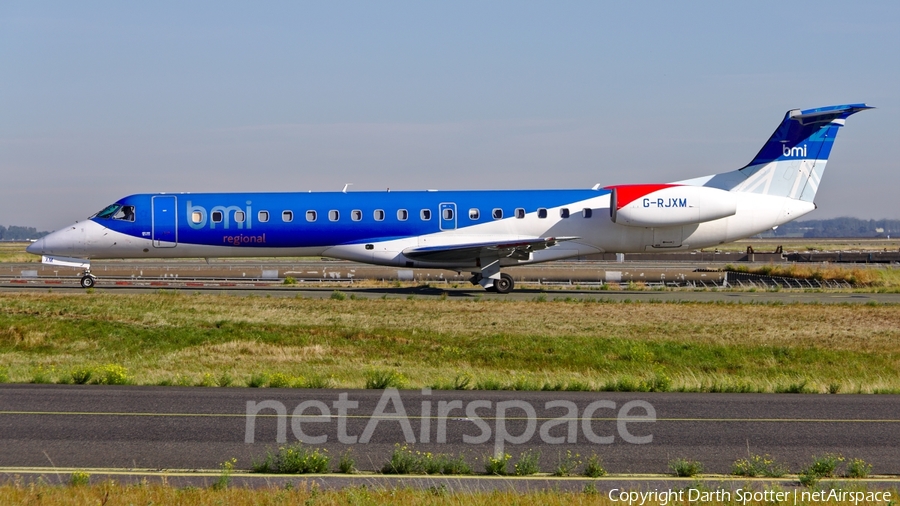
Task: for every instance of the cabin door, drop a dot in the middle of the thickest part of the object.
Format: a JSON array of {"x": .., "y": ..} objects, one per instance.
[
  {"x": 448, "y": 216},
  {"x": 165, "y": 224}
]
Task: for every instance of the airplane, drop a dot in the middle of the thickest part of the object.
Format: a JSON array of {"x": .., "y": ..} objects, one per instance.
[{"x": 481, "y": 231}]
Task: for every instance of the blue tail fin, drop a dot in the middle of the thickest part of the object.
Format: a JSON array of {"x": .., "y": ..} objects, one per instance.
[{"x": 792, "y": 161}]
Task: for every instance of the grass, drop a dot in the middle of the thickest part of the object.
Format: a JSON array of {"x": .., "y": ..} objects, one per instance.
[
  {"x": 174, "y": 338},
  {"x": 294, "y": 459},
  {"x": 858, "y": 468},
  {"x": 528, "y": 463},
  {"x": 347, "y": 464},
  {"x": 380, "y": 379},
  {"x": 303, "y": 492},
  {"x": 224, "y": 479},
  {"x": 407, "y": 461},
  {"x": 79, "y": 479},
  {"x": 15, "y": 252},
  {"x": 593, "y": 468},
  {"x": 812, "y": 244},
  {"x": 685, "y": 467},
  {"x": 858, "y": 276},
  {"x": 758, "y": 465},
  {"x": 822, "y": 466},
  {"x": 566, "y": 464},
  {"x": 498, "y": 466}
]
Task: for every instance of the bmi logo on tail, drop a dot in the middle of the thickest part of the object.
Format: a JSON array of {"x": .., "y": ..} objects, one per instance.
[{"x": 794, "y": 151}]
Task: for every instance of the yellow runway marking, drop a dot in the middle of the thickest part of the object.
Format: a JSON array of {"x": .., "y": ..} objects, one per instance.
[{"x": 461, "y": 418}]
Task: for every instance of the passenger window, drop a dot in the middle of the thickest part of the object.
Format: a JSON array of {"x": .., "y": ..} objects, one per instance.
[
  {"x": 262, "y": 216},
  {"x": 587, "y": 212},
  {"x": 474, "y": 214},
  {"x": 197, "y": 217},
  {"x": 356, "y": 215},
  {"x": 402, "y": 214},
  {"x": 379, "y": 215},
  {"x": 425, "y": 214},
  {"x": 311, "y": 216},
  {"x": 448, "y": 214},
  {"x": 334, "y": 215},
  {"x": 520, "y": 213},
  {"x": 564, "y": 212},
  {"x": 542, "y": 213},
  {"x": 239, "y": 216},
  {"x": 126, "y": 213},
  {"x": 497, "y": 214},
  {"x": 287, "y": 216},
  {"x": 217, "y": 216}
]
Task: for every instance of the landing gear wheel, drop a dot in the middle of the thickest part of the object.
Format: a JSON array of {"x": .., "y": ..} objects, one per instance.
[
  {"x": 505, "y": 284},
  {"x": 87, "y": 281}
]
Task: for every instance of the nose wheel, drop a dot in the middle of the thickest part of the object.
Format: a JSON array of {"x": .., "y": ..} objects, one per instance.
[{"x": 88, "y": 280}]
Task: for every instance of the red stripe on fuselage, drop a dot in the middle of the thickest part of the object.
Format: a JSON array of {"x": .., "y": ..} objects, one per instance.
[{"x": 628, "y": 193}]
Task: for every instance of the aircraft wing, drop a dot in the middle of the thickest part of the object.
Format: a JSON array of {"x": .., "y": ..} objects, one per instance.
[{"x": 519, "y": 249}]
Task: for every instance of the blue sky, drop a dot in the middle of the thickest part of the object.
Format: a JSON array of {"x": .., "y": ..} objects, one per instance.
[{"x": 103, "y": 99}]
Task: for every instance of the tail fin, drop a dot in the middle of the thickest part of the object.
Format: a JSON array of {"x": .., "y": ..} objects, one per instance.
[{"x": 792, "y": 161}]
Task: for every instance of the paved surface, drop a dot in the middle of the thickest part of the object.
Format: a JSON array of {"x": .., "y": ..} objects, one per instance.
[
  {"x": 198, "y": 428},
  {"x": 274, "y": 270},
  {"x": 685, "y": 295}
]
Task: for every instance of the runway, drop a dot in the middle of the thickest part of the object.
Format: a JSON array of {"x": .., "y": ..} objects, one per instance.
[
  {"x": 66, "y": 426},
  {"x": 476, "y": 293}
]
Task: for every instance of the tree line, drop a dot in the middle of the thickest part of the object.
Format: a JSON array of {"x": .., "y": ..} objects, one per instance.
[
  {"x": 839, "y": 227},
  {"x": 16, "y": 233}
]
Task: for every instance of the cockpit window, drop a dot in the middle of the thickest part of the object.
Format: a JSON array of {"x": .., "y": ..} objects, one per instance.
[
  {"x": 107, "y": 212},
  {"x": 126, "y": 213}
]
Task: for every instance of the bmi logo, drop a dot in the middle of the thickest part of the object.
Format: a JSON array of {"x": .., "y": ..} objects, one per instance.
[
  {"x": 794, "y": 151},
  {"x": 198, "y": 216}
]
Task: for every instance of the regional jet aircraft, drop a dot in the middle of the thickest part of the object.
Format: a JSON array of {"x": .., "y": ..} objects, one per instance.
[{"x": 482, "y": 232}]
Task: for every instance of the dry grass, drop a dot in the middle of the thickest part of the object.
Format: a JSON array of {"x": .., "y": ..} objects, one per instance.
[
  {"x": 858, "y": 276},
  {"x": 165, "y": 338},
  {"x": 305, "y": 493},
  {"x": 15, "y": 252},
  {"x": 790, "y": 244}
]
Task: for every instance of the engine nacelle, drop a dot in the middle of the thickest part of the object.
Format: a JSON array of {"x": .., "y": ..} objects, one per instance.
[{"x": 666, "y": 205}]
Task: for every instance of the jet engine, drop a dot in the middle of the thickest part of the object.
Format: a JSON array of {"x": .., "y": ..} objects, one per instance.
[{"x": 666, "y": 205}]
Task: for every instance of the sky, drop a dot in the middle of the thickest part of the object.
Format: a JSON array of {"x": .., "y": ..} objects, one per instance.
[{"x": 99, "y": 100}]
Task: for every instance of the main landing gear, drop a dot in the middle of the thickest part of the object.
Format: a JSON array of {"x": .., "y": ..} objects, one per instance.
[
  {"x": 503, "y": 285},
  {"x": 88, "y": 280}
]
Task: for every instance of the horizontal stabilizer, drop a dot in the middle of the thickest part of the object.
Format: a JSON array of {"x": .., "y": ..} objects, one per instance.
[{"x": 826, "y": 114}]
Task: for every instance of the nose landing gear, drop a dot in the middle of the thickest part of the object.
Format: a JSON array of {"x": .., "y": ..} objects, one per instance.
[{"x": 87, "y": 279}]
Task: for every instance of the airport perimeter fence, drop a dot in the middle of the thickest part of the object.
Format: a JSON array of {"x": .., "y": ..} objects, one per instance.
[
  {"x": 693, "y": 279},
  {"x": 747, "y": 280}
]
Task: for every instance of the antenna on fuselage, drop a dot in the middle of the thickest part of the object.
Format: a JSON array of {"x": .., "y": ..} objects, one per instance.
[{"x": 345, "y": 187}]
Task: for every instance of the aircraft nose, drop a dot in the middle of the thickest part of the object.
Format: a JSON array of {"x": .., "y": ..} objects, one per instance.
[
  {"x": 67, "y": 241},
  {"x": 36, "y": 248}
]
